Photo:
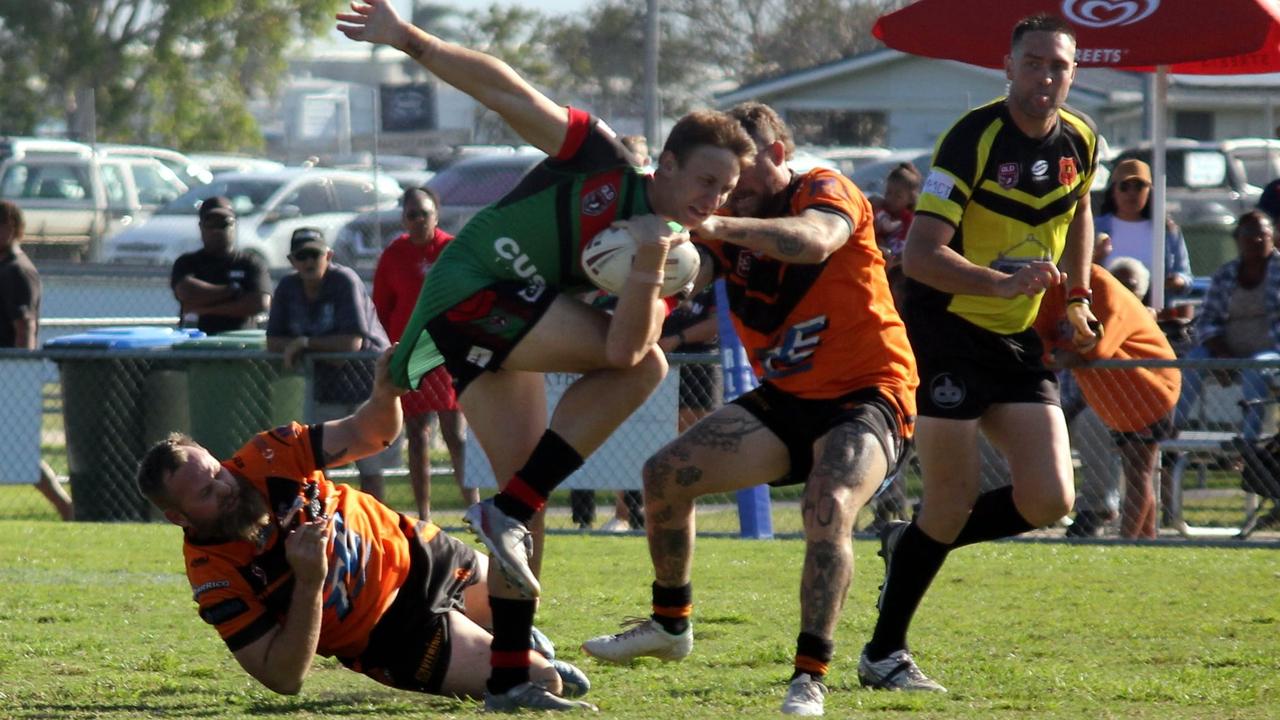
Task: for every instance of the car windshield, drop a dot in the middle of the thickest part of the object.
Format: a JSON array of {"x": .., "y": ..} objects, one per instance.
[
  {"x": 247, "y": 196},
  {"x": 477, "y": 184}
]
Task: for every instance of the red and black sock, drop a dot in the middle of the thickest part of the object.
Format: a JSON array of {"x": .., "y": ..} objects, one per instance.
[
  {"x": 552, "y": 461},
  {"x": 509, "y": 650},
  {"x": 672, "y": 607},
  {"x": 813, "y": 655}
]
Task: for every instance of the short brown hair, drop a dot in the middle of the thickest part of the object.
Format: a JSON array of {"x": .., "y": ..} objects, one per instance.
[
  {"x": 1041, "y": 22},
  {"x": 162, "y": 460},
  {"x": 708, "y": 127},
  {"x": 11, "y": 215},
  {"x": 764, "y": 125}
]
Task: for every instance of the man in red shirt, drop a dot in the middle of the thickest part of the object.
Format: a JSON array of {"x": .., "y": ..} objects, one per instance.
[{"x": 396, "y": 284}]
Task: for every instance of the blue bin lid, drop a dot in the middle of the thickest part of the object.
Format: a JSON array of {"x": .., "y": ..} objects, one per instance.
[{"x": 125, "y": 338}]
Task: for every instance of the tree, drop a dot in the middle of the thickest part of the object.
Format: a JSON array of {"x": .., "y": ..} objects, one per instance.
[
  {"x": 754, "y": 39},
  {"x": 170, "y": 72}
]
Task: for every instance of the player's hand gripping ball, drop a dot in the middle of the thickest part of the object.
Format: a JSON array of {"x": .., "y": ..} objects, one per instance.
[{"x": 607, "y": 262}]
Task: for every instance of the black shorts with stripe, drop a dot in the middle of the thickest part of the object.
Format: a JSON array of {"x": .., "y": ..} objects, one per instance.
[
  {"x": 965, "y": 369},
  {"x": 799, "y": 422},
  {"x": 409, "y": 648}
]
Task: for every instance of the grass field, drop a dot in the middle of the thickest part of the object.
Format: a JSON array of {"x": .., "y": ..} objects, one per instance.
[{"x": 96, "y": 621}]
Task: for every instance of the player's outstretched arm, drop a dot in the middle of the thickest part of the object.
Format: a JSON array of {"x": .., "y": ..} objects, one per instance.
[
  {"x": 373, "y": 426},
  {"x": 535, "y": 117},
  {"x": 808, "y": 238}
]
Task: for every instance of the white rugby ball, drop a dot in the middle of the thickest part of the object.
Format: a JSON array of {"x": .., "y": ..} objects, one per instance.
[{"x": 607, "y": 262}]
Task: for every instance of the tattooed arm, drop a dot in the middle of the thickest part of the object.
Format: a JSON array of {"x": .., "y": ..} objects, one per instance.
[
  {"x": 808, "y": 238},
  {"x": 373, "y": 426}
]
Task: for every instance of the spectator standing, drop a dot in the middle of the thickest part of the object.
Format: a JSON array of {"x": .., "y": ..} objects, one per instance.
[
  {"x": 894, "y": 213},
  {"x": 20, "y": 322},
  {"x": 218, "y": 288},
  {"x": 323, "y": 307},
  {"x": 1136, "y": 404},
  {"x": 1240, "y": 318},
  {"x": 1125, "y": 216},
  {"x": 397, "y": 282}
]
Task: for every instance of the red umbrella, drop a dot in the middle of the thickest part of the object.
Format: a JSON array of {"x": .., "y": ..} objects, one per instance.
[
  {"x": 1207, "y": 37},
  {"x": 1215, "y": 37}
]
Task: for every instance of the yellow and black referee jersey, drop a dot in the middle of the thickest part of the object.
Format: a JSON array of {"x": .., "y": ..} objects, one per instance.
[{"x": 1010, "y": 198}]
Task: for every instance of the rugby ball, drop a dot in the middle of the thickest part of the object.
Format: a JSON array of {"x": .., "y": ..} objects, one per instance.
[{"x": 607, "y": 262}]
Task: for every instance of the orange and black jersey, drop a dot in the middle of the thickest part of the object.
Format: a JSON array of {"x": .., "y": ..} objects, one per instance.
[
  {"x": 1011, "y": 199},
  {"x": 244, "y": 589},
  {"x": 821, "y": 330}
]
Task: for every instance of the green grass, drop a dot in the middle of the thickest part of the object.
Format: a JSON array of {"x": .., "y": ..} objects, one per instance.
[{"x": 96, "y": 621}]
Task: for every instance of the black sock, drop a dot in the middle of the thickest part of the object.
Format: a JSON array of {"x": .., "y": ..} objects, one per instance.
[
  {"x": 672, "y": 607},
  {"x": 813, "y": 655},
  {"x": 994, "y": 516},
  {"x": 509, "y": 650},
  {"x": 526, "y": 493},
  {"x": 916, "y": 560}
]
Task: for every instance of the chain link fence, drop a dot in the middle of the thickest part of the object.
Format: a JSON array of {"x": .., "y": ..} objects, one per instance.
[{"x": 90, "y": 414}]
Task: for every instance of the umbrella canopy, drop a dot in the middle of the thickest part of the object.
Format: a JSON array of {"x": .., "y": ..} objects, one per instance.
[
  {"x": 1205, "y": 37},
  {"x": 1222, "y": 37}
]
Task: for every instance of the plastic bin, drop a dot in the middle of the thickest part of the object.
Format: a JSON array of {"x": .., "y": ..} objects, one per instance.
[
  {"x": 116, "y": 401},
  {"x": 231, "y": 399}
]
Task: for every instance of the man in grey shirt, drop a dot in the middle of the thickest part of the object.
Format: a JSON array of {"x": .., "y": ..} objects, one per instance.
[{"x": 323, "y": 307}]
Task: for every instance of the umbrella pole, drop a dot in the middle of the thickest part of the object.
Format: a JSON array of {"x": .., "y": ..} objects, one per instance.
[{"x": 1158, "y": 128}]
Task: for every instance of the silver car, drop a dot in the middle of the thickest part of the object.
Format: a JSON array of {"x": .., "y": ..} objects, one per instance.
[{"x": 269, "y": 207}]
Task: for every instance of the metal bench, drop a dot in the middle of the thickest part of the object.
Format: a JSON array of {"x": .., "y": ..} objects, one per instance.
[{"x": 1198, "y": 448}]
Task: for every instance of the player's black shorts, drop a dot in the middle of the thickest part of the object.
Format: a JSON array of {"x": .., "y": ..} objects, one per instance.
[
  {"x": 799, "y": 422},
  {"x": 1162, "y": 429},
  {"x": 479, "y": 333},
  {"x": 409, "y": 647},
  {"x": 965, "y": 369}
]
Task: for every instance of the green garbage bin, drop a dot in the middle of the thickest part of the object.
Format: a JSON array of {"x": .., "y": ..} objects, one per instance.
[
  {"x": 117, "y": 393},
  {"x": 231, "y": 399},
  {"x": 1210, "y": 244}
]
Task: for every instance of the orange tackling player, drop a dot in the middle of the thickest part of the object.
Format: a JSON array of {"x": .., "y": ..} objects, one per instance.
[{"x": 810, "y": 301}]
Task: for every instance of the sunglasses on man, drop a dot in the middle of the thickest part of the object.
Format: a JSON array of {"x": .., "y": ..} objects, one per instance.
[
  {"x": 1133, "y": 185},
  {"x": 220, "y": 224},
  {"x": 305, "y": 255}
]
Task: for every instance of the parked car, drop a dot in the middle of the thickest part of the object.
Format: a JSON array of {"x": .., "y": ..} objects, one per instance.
[
  {"x": 1208, "y": 185},
  {"x": 189, "y": 171},
  {"x": 71, "y": 202},
  {"x": 870, "y": 176},
  {"x": 20, "y": 147},
  {"x": 269, "y": 207},
  {"x": 219, "y": 163},
  {"x": 464, "y": 188},
  {"x": 848, "y": 158}
]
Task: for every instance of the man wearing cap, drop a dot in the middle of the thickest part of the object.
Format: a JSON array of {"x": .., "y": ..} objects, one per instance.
[
  {"x": 217, "y": 288},
  {"x": 323, "y": 307}
]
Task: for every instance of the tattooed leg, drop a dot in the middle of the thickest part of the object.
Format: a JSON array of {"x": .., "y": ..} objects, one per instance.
[
  {"x": 850, "y": 466},
  {"x": 726, "y": 451}
]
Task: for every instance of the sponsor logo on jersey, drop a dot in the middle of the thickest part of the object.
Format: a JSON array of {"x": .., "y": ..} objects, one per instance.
[
  {"x": 598, "y": 201},
  {"x": 509, "y": 250},
  {"x": 939, "y": 184},
  {"x": 1040, "y": 169},
  {"x": 946, "y": 391},
  {"x": 1067, "y": 171},
  {"x": 199, "y": 590},
  {"x": 1008, "y": 175}
]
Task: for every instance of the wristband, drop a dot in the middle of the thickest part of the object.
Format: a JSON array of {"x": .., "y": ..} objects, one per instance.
[
  {"x": 648, "y": 278},
  {"x": 1079, "y": 301},
  {"x": 1080, "y": 294}
]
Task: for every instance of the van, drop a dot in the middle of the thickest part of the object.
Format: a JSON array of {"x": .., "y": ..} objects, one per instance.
[{"x": 72, "y": 201}]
